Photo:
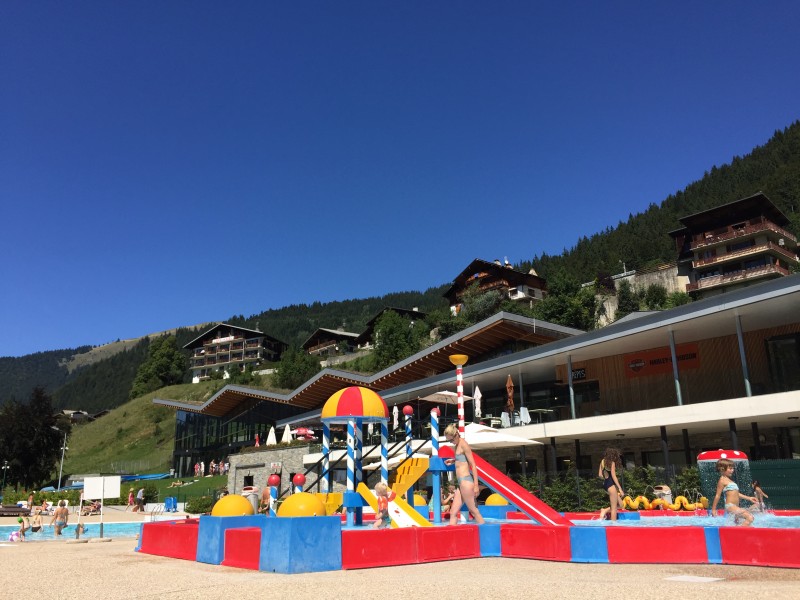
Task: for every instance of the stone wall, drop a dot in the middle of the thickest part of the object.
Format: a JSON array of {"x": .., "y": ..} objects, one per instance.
[{"x": 259, "y": 465}]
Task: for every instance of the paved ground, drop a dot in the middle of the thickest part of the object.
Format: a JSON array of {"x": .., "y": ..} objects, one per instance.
[{"x": 112, "y": 570}]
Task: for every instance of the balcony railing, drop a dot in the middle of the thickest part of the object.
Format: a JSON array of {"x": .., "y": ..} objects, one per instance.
[
  {"x": 732, "y": 233},
  {"x": 742, "y": 252},
  {"x": 721, "y": 280}
]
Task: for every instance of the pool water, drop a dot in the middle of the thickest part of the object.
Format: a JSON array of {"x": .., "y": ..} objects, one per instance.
[
  {"x": 761, "y": 520},
  {"x": 47, "y": 533}
]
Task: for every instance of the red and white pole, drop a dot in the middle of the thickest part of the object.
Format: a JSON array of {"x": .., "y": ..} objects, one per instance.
[{"x": 459, "y": 360}]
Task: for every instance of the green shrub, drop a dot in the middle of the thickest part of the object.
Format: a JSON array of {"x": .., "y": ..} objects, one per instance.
[{"x": 199, "y": 505}]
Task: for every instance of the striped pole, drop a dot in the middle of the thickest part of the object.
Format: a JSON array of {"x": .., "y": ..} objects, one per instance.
[
  {"x": 459, "y": 360},
  {"x": 359, "y": 450},
  {"x": 273, "y": 500},
  {"x": 351, "y": 468},
  {"x": 437, "y": 481},
  {"x": 409, "y": 450},
  {"x": 326, "y": 457},
  {"x": 385, "y": 451}
]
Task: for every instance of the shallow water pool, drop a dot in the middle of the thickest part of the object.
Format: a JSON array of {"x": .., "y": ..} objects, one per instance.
[
  {"x": 761, "y": 520},
  {"x": 47, "y": 533}
]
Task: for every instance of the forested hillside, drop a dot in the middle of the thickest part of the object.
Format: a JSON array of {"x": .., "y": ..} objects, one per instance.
[
  {"x": 640, "y": 242},
  {"x": 294, "y": 324},
  {"x": 643, "y": 239},
  {"x": 48, "y": 370}
]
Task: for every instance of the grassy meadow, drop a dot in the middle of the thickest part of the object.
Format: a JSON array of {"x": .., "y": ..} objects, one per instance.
[{"x": 137, "y": 437}]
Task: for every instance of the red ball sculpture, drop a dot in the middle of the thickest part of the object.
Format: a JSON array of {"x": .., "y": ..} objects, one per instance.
[
  {"x": 299, "y": 479},
  {"x": 408, "y": 410},
  {"x": 274, "y": 480}
]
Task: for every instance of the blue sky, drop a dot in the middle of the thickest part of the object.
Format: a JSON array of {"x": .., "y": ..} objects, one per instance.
[{"x": 164, "y": 164}]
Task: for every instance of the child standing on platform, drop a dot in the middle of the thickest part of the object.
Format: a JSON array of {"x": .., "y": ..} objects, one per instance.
[{"x": 382, "y": 518}]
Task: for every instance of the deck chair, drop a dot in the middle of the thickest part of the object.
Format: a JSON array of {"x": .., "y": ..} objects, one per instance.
[
  {"x": 505, "y": 420},
  {"x": 524, "y": 415}
]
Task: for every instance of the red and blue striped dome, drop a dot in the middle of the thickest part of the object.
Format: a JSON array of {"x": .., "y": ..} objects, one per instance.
[{"x": 355, "y": 401}]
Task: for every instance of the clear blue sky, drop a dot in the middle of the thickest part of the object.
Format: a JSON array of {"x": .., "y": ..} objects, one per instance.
[{"x": 164, "y": 164}]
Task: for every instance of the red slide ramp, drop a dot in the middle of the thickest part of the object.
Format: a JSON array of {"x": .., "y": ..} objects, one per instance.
[{"x": 517, "y": 495}]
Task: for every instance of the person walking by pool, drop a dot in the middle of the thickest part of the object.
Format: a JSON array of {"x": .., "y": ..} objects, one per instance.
[
  {"x": 139, "y": 501},
  {"x": 60, "y": 517},
  {"x": 466, "y": 476},
  {"x": 131, "y": 500},
  {"x": 728, "y": 489},
  {"x": 382, "y": 518},
  {"x": 608, "y": 473},
  {"x": 760, "y": 495}
]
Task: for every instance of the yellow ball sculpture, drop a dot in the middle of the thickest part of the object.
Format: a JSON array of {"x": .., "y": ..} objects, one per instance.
[
  {"x": 302, "y": 505},
  {"x": 419, "y": 500},
  {"x": 496, "y": 500},
  {"x": 232, "y": 505}
]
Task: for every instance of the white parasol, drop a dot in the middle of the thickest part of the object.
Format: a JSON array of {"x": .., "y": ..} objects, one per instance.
[
  {"x": 477, "y": 405},
  {"x": 287, "y": 435},
  {"x": 271, "y": 441}
]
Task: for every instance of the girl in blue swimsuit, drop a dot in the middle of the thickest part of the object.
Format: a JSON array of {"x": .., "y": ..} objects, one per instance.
[
  {"x": 728, "y": 489},
  {"x": 466, "y": 475},
  {"x": 608, "y": 473}
]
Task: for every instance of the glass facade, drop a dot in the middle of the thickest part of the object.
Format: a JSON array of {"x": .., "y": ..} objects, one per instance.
[{"x": 204, "y": 438}]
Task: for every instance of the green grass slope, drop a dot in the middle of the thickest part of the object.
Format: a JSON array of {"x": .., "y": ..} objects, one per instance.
[{"x": 136, "y": 437}]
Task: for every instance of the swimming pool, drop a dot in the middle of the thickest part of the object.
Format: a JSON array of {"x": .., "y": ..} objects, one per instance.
[
  {"x": 761, "y": 521},
  {"x": 47, "y": 533}
]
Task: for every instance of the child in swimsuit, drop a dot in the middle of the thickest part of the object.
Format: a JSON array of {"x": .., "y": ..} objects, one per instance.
[
  {"x": 728, "y": 489},
  {"x": 608, "y": 473},
  {"x": 760, "y": 494},
  {"x": 382, "y": 518}
]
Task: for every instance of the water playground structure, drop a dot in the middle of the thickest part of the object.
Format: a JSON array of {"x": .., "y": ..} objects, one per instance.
[{"x": 300, "y": 536}]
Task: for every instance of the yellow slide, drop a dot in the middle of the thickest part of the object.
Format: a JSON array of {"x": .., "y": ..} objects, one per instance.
[{"x": 401, "y": 513}]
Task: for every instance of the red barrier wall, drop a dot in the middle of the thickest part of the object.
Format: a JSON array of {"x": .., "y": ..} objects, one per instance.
[
  {"x": 448, "y": 543},
  {"x": 176, "y": 539},
  {"x": 656, "y": 545},
  {"x": 242, "y": 548},
  {"x": 364, "y": 548},
  {"x": 760, "y": 546},
  {"x": 526, "y": 541}
]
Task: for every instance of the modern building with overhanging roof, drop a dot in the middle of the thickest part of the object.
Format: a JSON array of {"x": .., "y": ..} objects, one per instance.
[{"x": 723, "y": 371}]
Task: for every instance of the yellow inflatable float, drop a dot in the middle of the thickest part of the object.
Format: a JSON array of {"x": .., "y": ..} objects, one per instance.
[{"x": 680, "y": 503}]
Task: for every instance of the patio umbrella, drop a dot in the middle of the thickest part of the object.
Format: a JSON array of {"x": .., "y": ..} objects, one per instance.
[
  {"x": 509, "y": 396},
  {"x": 445, "y": 397},
  {"x": 287, "y": 435},
  {"x": 271, "y": 441},
  {"x": 396, "y": 416},
  {"x": 477, "y": 405}
]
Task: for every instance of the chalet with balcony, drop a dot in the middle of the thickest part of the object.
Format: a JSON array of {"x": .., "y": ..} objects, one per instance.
[
  {"x": 328, "y": 342},
  {"x": 734, "y": 245},
  {"x": 512, "y": 284},
  {"x": 225, "y": 347}
]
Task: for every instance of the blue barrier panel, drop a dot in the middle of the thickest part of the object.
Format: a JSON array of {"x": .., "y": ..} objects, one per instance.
[
  {"x": 713, "y": 545},
  {"x": 588, "y": 544},
  {"x": 494, "y": 511},
  {"x": 211, "y": 536},
  {"x": 490, "y": 539},
  {"x": 301, "y": 545}
]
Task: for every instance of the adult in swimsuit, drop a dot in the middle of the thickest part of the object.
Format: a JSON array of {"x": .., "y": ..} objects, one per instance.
[
  {"x": 466, "y": 476},
  {"x": 727, "y": 488},
  {"x": 60, "y": 517},
  {"x": 608, "y": 473}
]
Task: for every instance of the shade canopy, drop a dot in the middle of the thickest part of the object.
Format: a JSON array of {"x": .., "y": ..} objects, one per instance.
[
  {"x": 354, "y": 402},
  {"x": 445, "y": 397}
]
